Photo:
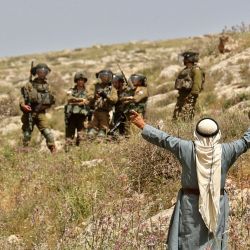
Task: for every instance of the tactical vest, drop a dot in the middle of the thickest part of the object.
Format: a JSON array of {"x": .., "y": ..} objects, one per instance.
[
  {"x": 184, "y": 80},
  {"x": 120, "y": 105},
  {"x": 40, "y": 94},
  {"x": 140, "y": 107},
  {"x": 77, "y": 109},
  {"x": 101, "y": 104}
]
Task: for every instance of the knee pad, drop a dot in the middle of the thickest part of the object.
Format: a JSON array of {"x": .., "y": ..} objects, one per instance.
[{"x": 48, "y": 136}]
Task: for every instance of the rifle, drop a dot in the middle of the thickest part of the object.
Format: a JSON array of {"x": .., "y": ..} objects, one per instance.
[
  {"x": 67, "y": 114},
  {"x": 27, "y": 101},
  {"x": 31, "y": 67},
  {"x": 122, "y": 118},
  {"x": 123, "y": 74}
]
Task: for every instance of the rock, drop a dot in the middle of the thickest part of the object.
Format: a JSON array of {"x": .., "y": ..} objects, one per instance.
[
  {"x": 161, "y": 219},
  {"x": 13, "y": 239},
  {"x": 10, "y": 124},
  {"x": 92, "y": 163},
  {"x": 153, "y": 100},
  {"x": 170, "y": 71}
]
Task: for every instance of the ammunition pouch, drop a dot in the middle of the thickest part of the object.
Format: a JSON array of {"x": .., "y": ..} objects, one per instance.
[{"x": 184, "y": 80}]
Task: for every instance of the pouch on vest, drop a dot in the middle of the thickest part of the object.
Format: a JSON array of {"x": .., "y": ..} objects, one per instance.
[{"x": 184, "y": 80}]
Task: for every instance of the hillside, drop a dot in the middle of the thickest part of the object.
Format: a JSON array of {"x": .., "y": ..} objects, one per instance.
[{"x": 116, "y": 195}]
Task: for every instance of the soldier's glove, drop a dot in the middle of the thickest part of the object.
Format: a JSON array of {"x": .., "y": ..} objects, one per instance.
[
  {"x": 26, "y": 108},
  {"x": 103, "y": 94},
  {"x": 83, "y": 102}
]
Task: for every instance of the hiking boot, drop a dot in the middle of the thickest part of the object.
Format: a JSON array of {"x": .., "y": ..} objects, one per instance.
[
  {"x": 101, "y": 133},
  {"x": 92, "y": 133},
  {"x": 52, "y": 148}
]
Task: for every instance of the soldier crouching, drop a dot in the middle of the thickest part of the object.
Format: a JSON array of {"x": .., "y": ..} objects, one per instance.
[
  {"x": 76, "y": 111},
  {"x": 36, "y": 99}
]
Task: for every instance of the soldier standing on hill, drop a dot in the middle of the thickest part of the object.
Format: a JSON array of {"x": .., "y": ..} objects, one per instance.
[
  {"x": 36, "y": 99},
  {"x": 76, "y": 110},
  {"x": 189, "y": 85},
  {"x": 103, "y": 98},
  {"x": 121, "y": 118}
]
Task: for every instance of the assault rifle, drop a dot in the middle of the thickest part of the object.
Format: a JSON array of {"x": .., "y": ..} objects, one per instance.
[
  {"x": 122, "y": 118},
  {"x": 26, "y": 98},
  {"x": 31, "y": 67},
  {"x": 122, "y": 74}
]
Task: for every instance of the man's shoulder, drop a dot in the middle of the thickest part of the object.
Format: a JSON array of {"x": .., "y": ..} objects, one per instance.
[
  {"x": 27, "y": 85},
  {"x": 197, "y": 68}
]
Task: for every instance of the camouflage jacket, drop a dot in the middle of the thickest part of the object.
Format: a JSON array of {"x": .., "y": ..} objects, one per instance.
[
  {"x": 38, "y": 95},
  {"x": 77, "y": 101},
  {"x": 103, "y": 103},
  {"x": 189, "y": 80},
  {"x": 122, "y": 104},
  {"x": 139, "y": 100}
]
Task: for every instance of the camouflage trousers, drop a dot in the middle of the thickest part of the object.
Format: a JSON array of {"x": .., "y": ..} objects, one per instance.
[
  {"x": 75, "y": 123},
  {"x": 185, "y": 108},
  {"x": 100, "y": 120},
  {"x": 40, "y": 120}
]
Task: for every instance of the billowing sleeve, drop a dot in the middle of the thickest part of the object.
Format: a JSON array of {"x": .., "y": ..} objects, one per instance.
[
  {"x": 164, "y": 140},
  {"x": 234, "y": 149}
]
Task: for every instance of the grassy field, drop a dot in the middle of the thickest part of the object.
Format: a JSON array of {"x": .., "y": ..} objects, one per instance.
[{"x": 104, "y": 195}]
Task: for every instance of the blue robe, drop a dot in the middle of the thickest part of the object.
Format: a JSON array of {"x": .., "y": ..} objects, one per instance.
[{"x": 187, "y": 230}]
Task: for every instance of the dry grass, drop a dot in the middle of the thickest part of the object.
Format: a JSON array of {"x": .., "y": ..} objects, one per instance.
[{"x": 57, "y": 202}]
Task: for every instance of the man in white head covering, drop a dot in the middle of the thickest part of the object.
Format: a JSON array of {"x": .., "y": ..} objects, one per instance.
[{"x": 199, "y": 220}]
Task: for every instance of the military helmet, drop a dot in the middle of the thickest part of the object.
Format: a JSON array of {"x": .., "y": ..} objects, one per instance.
[
  {"x": 191, "y": 56},
  {"x": 105, "y": 73},
  {"x": 138, "y": 77},
  {"x": 80, "y": 75},
  {"x": 118, "y": 78},
  {"x": 40, "y": 66}
]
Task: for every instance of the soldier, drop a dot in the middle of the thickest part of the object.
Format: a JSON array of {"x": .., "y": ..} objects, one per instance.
[
  {"x": 36, "y": 99},
  {"x": 121, "y": 118},
  {"x": 103, "y": 98},
  {"x": 189, "y": 84},
  {"x": 76, "y": 110},
  {"x": 139, "y": 100}
]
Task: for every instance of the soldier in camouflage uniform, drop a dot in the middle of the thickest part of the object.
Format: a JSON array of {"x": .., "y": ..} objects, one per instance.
[
  {"x": 76, "y": 110},
  {"x": 103, "y": 98},
  {"x": 121, "y": 116},
  {"x": 138, "y": 101},
  {"x": 36, "y": 99},
  {"x": 189, "y": 84}
]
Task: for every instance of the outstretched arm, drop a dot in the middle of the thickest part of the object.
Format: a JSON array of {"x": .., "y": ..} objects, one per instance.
[{"x": 156, "y": 136}]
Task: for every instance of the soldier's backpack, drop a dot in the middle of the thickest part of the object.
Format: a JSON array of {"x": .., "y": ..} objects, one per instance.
[{"x": 184, "y": 80}]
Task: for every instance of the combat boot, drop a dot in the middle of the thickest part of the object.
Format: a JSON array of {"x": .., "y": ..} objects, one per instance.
[
  {"x": 92, "y": 133},
  {"x": 101, "y": 133},
  {"x": 52, "y": 149}
]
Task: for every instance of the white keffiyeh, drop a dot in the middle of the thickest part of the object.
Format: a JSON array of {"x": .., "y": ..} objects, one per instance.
[{"x": 208, "y": 167}]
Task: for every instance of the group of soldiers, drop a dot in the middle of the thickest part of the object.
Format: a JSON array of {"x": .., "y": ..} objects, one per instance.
[
  {"x": 102, "y": 109},
  {"x": 97, "y": 110}
]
